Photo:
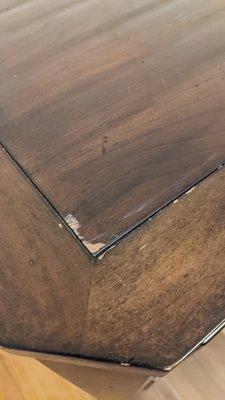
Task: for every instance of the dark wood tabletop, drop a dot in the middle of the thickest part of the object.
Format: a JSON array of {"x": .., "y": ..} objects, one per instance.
[
  {"x": 113, "y": 108},
  {"x": 111, "y": 111}
]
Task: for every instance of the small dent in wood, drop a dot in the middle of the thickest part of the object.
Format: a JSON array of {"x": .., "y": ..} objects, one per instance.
[{"x": 104, "y": 141}]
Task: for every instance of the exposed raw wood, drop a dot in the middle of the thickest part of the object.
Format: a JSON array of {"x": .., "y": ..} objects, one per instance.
[
  {"x": 159, "y": 291},
  {"x": 113, "y": 107},
  {"x": 44, "y": 272}
]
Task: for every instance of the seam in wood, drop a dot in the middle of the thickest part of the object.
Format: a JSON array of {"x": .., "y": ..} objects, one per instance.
[
  {"x": 44, "y": 197},
  {"x": 87, "y": 304},
  {"x": 113, "y": 243},
  {"x": 95, "y": 255},
  {"x": 157, "y": 211}
]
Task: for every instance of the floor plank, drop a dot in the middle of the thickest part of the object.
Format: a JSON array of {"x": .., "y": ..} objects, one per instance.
[
  {"x": 200, "y": 377},
  {"x": 26, "y": 379}
]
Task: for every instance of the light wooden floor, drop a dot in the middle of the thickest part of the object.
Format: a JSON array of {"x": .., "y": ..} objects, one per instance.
[
  {"x": 200, "y": 377},
  {"x": 27, "y": 379}
]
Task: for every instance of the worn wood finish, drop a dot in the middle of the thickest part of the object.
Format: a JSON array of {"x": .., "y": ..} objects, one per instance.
[
  {"x": 113, "y": 107},
  {"x": 159, "y": 291},
  {"x": 153, "y": 296},
  {"x": 45, "y": 273}
]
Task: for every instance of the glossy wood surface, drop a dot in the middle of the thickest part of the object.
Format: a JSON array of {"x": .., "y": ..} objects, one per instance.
[
  {"x": 43, "y": 287},
  {"x": 160, "y": 290},
  {"x": 112, "y": 107}
]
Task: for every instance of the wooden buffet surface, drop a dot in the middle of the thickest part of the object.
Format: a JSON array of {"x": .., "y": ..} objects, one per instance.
[
  {"x": 112, "y": 244},
  {"x": 113, "y": 108}
]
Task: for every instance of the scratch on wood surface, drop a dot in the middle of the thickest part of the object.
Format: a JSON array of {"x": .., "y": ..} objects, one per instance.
[
  {"x": 75, "y": 226},
  {"x": 136, "y": 210},
  {"x": 162, "y": 80},
  {"x": 190, "y": 190},
  {"x": 102, "y": 255},
  {"x": 119, "y": 279},
  {"x": 142, "y": 247}
]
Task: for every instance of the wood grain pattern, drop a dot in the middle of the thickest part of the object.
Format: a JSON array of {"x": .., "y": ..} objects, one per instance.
[
  {"x": 113, "y": 108},
  {"x": 27, "y": 379},
  {"x": 153, "y": 297},
  {"x": 159, "y": 291},
  {"x": 44, "y": 272},
  {"x": 200, "y": 377}
]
